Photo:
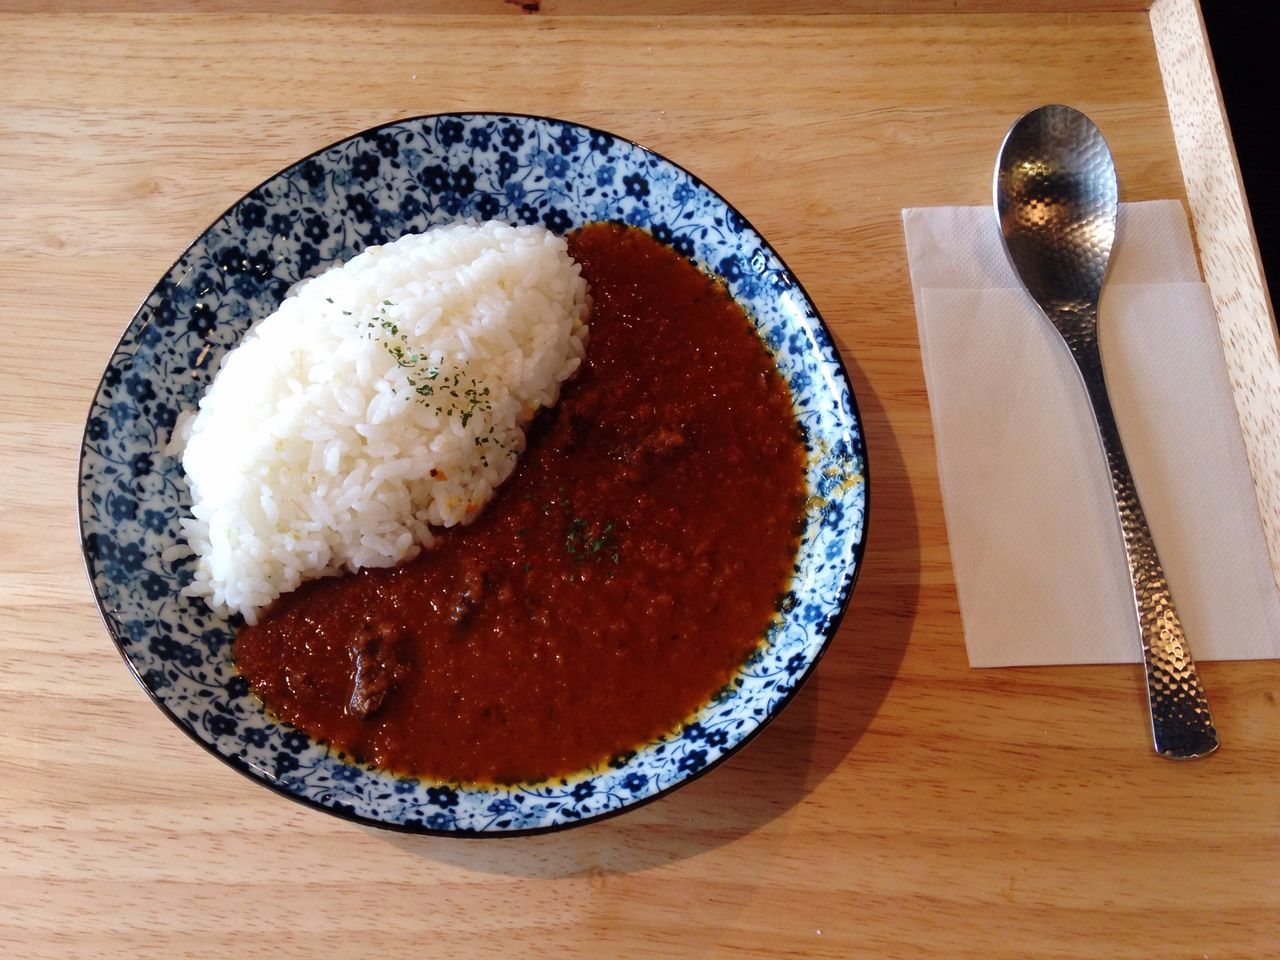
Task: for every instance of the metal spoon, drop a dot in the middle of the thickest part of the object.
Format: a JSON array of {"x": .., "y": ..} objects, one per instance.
[{"x": 1056, "y": 197}]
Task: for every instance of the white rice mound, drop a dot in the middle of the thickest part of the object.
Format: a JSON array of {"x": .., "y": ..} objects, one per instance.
[{"x": 385, "y": 396}]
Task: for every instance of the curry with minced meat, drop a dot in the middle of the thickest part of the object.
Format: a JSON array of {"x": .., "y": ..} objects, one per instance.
[{"x": 617, "y": 580}]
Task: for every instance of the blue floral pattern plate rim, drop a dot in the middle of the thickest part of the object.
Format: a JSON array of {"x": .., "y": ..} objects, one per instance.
[{"x": 118, "y": 467}]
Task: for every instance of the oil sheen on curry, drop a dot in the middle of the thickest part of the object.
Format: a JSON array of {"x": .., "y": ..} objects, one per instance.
[{"x": 616, "y": 582}]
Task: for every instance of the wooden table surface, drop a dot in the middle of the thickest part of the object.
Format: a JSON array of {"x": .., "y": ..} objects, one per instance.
[{"x": 903, "y": 806}]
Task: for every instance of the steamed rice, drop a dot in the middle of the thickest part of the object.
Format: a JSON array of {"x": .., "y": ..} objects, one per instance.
[{"x": 385, "y": 396}]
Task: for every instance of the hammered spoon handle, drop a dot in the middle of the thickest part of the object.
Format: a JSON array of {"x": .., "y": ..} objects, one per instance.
[{"x": 1181, "y": 724}]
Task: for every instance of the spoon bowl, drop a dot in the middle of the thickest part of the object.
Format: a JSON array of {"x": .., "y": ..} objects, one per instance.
[{"x": 1057, "y": 199}]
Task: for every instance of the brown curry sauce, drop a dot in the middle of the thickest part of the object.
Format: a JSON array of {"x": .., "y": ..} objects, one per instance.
[{"x": 613, "y": 585}]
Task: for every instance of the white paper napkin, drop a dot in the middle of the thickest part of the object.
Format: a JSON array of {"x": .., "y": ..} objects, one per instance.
[{"x": 1035, "y": 544}]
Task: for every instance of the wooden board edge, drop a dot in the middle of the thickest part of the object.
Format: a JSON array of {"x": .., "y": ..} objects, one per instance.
[
  {"x": 665, "y": 8},
  {"x": 1228, "y": 246}
]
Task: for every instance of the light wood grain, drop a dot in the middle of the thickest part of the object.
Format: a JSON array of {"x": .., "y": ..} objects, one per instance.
[
  {"x": 1229, "y": 251},
  {"x": 903, "y": 806}
]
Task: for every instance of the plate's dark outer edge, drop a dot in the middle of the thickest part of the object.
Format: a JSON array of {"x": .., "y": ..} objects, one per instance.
[{"x": 834, "y": 622}]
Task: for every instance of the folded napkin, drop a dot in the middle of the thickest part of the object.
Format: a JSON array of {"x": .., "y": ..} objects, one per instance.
[{"x": 1035, "y": 543}]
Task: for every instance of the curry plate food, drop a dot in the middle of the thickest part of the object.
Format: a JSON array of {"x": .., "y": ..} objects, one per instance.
[{"x": 477, "y": 474}]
